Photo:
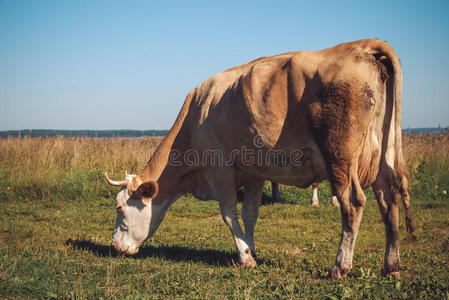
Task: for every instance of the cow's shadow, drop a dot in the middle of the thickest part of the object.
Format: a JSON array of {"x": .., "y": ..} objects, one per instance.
[{"x": 173, "y": 253}]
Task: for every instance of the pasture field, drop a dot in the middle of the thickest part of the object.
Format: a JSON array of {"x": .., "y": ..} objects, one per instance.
[{"x": 58, "y": 214}]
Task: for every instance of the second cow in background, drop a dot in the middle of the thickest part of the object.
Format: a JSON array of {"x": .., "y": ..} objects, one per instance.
[{"x": 314, "y": 200}]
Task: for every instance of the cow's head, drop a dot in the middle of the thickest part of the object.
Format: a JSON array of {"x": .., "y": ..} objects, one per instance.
[{"x": 137, "y": 218}]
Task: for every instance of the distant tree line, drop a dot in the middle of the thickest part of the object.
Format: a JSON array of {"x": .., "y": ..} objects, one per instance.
[
  {"x": 137, "y": 133},
  {"x": 426, "y": 130},
  {"x": 81, "y": 133}
]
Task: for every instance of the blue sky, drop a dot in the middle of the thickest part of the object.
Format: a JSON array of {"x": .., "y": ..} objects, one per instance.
[{"x": 130, "y": 64}]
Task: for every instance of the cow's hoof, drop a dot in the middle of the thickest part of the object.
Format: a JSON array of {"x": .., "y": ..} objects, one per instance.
[
  {"x": 337, "y": 273},
  {"x": 392, "y": 269},
  {"x": 395, "y": 274},
  {"x": 392, "y": 272},
  {"x": 314, "y": 204},
  {"x": 335, "y": 202}
]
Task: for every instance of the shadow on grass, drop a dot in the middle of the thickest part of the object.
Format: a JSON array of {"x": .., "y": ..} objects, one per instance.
[{"x": 173, "y": 253}]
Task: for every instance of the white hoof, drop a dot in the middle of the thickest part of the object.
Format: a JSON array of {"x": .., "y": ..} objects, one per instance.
[{"x": 335, "y": 201}]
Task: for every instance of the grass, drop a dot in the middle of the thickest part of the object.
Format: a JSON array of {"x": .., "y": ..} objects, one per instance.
[{"x": 57, "y": 218}]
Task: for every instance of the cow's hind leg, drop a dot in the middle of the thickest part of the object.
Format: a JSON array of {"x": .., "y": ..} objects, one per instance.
[
  {"x": 252, "y": 196},
  {"x": 314, "y": 200},
  {"x": 386, "y": 190},
  {"x": 334, "y": 201},
  {"x": 223, "y": 185},
  {"x": 340, "y": 121},
  {"x": 404, "y": 189},
  {"x": 352, "y": 202}
]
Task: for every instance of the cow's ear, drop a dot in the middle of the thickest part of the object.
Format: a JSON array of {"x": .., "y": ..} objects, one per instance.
[{"x": 147, "y": 190}]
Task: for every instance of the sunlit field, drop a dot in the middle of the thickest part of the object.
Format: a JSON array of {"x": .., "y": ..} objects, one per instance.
[{"x": 58, "y": 214}]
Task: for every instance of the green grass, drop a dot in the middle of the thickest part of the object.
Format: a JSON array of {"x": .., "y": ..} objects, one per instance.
[
  {"x": 192, "y": 254},
  {"x": 54, "y": 238}
]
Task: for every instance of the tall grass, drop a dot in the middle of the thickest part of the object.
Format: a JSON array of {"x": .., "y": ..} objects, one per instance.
[
  {"x": 42, "y": 166},
  {"x": 53, "y": 155},
  {"x": 52, "y": 191},
  {"x": 427, "y": 156},
  {"x": 432, "y": 149}
]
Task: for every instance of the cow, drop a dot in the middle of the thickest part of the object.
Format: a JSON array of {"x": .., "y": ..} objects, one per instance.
[
  {"x": 276, "y": 195},
  {"x": 294, "y": 118}
]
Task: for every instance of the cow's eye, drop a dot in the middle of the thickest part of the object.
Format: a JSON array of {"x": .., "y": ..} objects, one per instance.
[{"x": 119, "y": 208}]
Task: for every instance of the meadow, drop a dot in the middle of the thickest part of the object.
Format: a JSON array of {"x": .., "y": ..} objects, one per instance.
[{"x": 58, "y": 214}]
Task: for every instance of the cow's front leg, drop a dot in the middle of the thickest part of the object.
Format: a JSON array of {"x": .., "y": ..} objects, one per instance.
[
  {"x": 222, "y": 182},
  {"x": 250, "y": 209},
  {"x": 276, "y": 195},
  {"x": 229, "y": 214},
  {"x": 352, "y": 201}
]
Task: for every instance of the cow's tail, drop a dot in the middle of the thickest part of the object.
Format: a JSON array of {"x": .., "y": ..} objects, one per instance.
[
  {"x": 387, "y": 55},
  {"x": 401, "y": 170}
]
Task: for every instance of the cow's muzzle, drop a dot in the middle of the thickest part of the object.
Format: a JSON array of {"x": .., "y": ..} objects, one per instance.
[{"x": 128, "y": 251}]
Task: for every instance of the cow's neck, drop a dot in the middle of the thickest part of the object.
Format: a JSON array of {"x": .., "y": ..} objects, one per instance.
[{"x": 160, "y": 159}]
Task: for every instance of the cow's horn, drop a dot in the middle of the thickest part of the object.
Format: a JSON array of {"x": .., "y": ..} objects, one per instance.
[{"x": 116, "y": 183}]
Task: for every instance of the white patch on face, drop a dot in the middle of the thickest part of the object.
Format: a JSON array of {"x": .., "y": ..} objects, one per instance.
[
  {"x": 132, "y": 224},
  {"x": 136, "y": 222}
]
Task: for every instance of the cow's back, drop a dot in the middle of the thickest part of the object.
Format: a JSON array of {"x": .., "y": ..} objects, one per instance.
[{"x": 269, "y": 104}]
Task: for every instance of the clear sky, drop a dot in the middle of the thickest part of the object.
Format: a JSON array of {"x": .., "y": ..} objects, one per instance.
[{"x": 130, "y": 64}]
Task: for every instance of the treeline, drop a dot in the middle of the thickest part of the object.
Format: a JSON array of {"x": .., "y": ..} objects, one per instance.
[
  {"x": 427, "y": 130},
  {"x": 80, "y": 133},
  {"x": 139, "y": 133}
]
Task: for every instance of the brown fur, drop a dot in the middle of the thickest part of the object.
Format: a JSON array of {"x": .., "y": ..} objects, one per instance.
[
  {"x": 340, "y": 106},
  {"x": 146, "y": 190}
]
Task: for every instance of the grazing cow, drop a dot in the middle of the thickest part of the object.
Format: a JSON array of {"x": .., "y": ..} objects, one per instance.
[
  {"x": 294, "y": 118},
  {"x": 314, "y": 201}
]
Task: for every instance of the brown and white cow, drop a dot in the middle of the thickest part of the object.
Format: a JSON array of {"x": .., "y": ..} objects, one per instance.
[{"x": 294, "y": 118}]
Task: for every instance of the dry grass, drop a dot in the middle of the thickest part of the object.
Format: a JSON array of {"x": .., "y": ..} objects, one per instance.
[
  {"x": 430, "y": 148},
  {"x": 43, "y": 157},
  {"x": 41, "y": 167},
  {"x": 52, "y": 191}
]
